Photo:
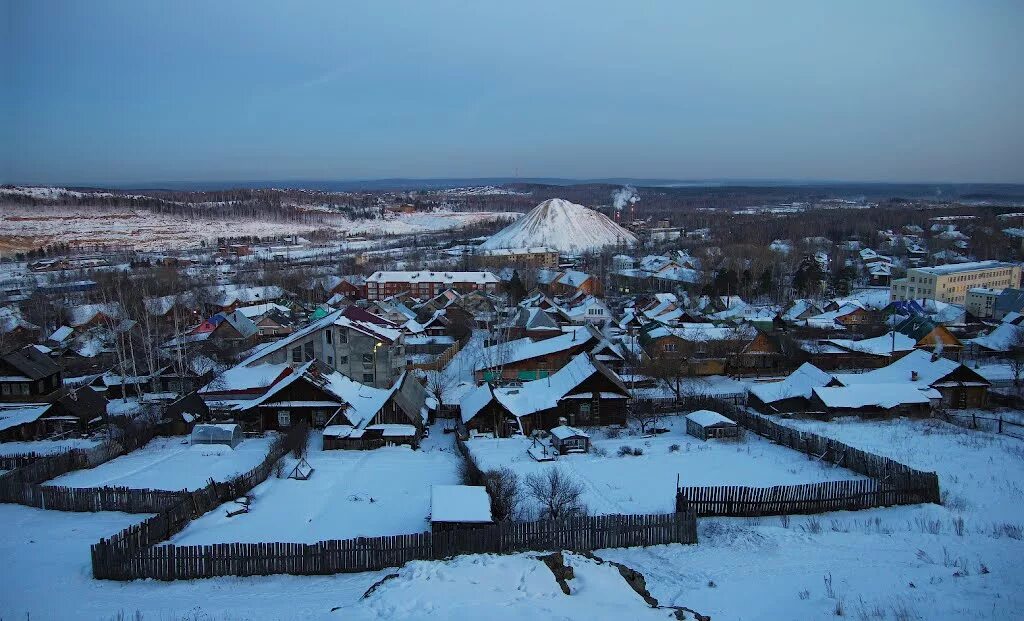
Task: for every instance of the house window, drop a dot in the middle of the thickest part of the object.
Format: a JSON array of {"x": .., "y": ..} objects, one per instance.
[
  {"x": 329, "y": 336},
  {"x": 284, "y": 418},
  {"x": 342, "y": 336},
  {"x": 330, "y": 361},
  {"x": 584, "y": 412},
  {"x": 368, "y": 359},
  {"x": 25, "y": 388},
  {"x": 342, "y": 361},
  {"x": 5, "y": 389},
  {"x": 308, "y": 348},
  {"x": 319, "y": 418},
  {"x": 297, "y": 354},
  {"x": 670, "y": 347},
  {"x": 367, "y": 378}
]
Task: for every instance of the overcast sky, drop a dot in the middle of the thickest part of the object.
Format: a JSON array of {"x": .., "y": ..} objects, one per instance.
[{"x": 139, "y": 91}]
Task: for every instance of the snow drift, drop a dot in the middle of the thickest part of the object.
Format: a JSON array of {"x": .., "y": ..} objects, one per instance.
[{"x": 563, "y": 226}]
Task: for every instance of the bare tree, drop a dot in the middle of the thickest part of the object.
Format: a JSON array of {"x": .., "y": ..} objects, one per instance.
[
  {"x": 1015, "y": 358},
  {"x": 643, "y": 413},
  {"x": 506, "y": 495},
  {"x": 558, "y": 495}
]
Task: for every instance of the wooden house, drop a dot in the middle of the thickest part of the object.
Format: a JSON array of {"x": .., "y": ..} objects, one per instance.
[
  {"x": 582, "y": 393},
  {"x": 528, "y": 359},
  {"x": 182, "y": 415},
  {"x": 28, "y": 374}
]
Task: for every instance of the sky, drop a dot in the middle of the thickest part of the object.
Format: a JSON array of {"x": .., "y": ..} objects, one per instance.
[{"x": 140, "y": 91}]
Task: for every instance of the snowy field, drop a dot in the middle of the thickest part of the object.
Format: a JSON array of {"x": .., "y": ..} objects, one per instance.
[
  {"x": 351, "y": 494},
  {"x": 171, "y": 464},
  {"x": 894, "y": 564},
  {"x": 30, "y": 227},
  {"x": 900, "y": 563},
  {"x": 647, "y": 483},
  {"x": 46, "y": 447}
]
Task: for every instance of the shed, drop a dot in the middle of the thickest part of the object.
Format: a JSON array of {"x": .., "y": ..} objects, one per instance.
[
  {"x": 566, "y": 439},
  {"x": 706, "y": 424},
  {"x": 229, "y": 434},
  {"x": 459, "y": 506}
]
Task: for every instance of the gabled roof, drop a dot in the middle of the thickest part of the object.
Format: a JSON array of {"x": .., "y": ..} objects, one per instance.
[
  {"x": 926, "y": 367},
  {"x": 799, "y": 384},
  {"x": 544, "y": 394},
  {"x": 528, "y": 348},
  {"x": 268, "y": 348},
  {"x": 918, "y": 327},
  {"x": 367, "y": 323},
  {"x": 31, "y": 363},
  {"x": 242, "y": 324},
  {"x": 885, "y": 396}
]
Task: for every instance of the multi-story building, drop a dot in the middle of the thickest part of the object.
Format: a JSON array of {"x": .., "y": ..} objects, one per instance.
[
  {"x": 981, "y": 301},
  {"x": 517, "y": 258},
  {"x": 427, "y": 284},
  {"x": 950, "y": 283}
]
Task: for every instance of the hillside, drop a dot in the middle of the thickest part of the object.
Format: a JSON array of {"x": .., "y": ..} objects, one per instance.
[{"x": 564, "y": 226}]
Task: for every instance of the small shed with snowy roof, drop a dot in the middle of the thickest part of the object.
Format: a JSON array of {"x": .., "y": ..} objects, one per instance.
[
  {"x": 566, "y": 439},
  {"x": 454, "y": 507},
  {"x": 229, "y": 434},
  {"x": 706, "y": 424}
]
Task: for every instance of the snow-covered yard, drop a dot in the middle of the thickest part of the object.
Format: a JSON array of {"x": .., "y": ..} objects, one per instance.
[
  {"x": 171, "y": 464},
  {"x": 912, "y": 562},
  {"x": 646, "y": 483},
  {"x": 351, "y": 494}
]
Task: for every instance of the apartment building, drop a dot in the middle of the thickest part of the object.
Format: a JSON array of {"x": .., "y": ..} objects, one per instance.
[
  {"x": 426, "y": 284},
  {"x": 950, "y": 283},
  {"x": 517, "y": 258}
]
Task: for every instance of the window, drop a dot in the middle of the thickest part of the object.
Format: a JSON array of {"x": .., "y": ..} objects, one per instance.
[
  {"x": 342, "y": 360},
  {"x": 343, "y": 336},
  {"x": 284, "y": 418},
  {"x": 367, "y": 378},
  {"x": 308, "y": 349},
  {"x": 330, "y": 361},
  {"x": 670, "y": 347},
  {"x": 297, "y": 354},
  {"x": 319, "y": 418},
  {"x": 367, "y": 358},
  {"x": 5, "y": 389},
  {"x": 329, "y": 336},
  {"x": 584, "y": 411},
  {"x": 24, "y": 388}
]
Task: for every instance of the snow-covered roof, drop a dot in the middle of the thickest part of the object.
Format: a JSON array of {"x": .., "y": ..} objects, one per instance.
[
  {"x": 800, "y": 383},
  {"x": 258, "y": 310},
  {"x": 884, "y": 345},
  {"x": 460, "y": 503},
  {"x": 943, "y": 270},
  {"x": 527, "y": 348},
  {"x": 544, "y": 394},
  {"x": 707, "y": 418},
  {"x": 253, "y": 378},
  {"x": 474, "y": 401},
  {"x": 564, "y": 431},
  {"x": 929, "y": 369},
  {"x": 1002, "y": 338},
  {"x": 61, "y": 334},
  {"x": 884, "y": 395},
  {"x": 432, "y": 277},
  {"x": 14, "y": 414}
]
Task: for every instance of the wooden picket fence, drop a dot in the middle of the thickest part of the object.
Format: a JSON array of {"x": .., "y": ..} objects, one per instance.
[
  {"x": 117, "y": 561},
  {"x": 10, "y": 462},
  {"x": 123, "y": 499},
  {"x": 889, "y": 482},
  {"x": 797, "y": 499},
  {"x": 18, "y": 485}
]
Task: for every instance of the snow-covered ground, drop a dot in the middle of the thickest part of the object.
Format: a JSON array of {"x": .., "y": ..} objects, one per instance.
[
  {"x": 913, "y": 562},
  {"x": 46, "y": 447},
  {"x": 147, "y": 230},
  {"x": 351, "y": 494},
  {"x": 896, "y": 564},
  {"x": 647, "y": 483},
  {"x": 171, "y": 464}
]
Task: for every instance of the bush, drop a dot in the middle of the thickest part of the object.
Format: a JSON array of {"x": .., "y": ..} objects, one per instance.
[
  {"x": 613, "y": 433},
  {"x": 558, "y": 495},
  {"x": 503, "y": 487},
  {"x": 637, "y": 452},
  {"x": 674, "y": 448},
  {"x": 625, "y": 450}
]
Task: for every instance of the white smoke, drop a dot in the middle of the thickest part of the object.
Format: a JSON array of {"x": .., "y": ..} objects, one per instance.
[{"x": 626, "y": 195}]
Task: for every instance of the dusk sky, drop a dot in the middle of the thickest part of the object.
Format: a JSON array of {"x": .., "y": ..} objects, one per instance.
[{"x": 141, "y": 92}]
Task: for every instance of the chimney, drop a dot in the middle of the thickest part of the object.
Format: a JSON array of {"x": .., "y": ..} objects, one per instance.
[{"x": 913, "y": 376}]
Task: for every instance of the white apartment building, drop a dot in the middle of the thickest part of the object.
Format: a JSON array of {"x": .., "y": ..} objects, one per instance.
[{"x": 950, "y": 283}]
